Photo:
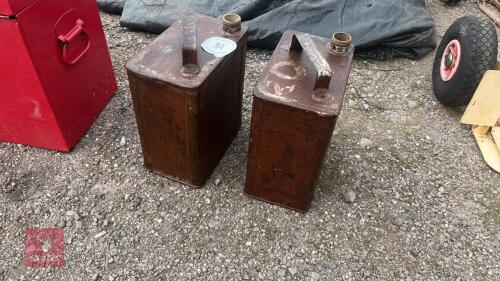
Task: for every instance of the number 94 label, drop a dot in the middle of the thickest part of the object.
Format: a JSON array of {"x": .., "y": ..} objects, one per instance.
[{"x": 218, "y": 46}]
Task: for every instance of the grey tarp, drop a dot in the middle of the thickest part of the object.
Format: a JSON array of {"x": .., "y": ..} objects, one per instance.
[
  {"x": 380, "y": 28},
  {"x": 112, "y": 6}
]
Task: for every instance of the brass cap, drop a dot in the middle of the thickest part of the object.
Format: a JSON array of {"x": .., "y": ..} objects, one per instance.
[
  {"x": 341, "y": 42},
  {"x": 231, "y": 23}
]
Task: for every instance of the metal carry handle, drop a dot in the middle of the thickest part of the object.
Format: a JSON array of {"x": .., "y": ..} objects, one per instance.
[
  {"x": 304, "y": 42},
  {"x": 66, "y": 40},
  {"x": 189, "y": 48}
]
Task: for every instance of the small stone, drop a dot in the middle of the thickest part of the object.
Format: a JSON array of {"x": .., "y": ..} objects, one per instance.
[
  {"x": 365, "y": 142},
  {"x": 100, "y": 234},
  {"x": 72, "y": 193},
  {"x": 332, "y": 265},
  {"x": 94, "y": 276},
  {"x": 414, "y": 252},
  {"x": 315, "y": 276},
  {"x": 396, "y": 220},
  {"x": 113, "y": 252},
  {"x": 349, "y": 196},
  {"x": 213, "y": 223},
  {"x": 378, "y": 192},
  {"x": 292, "y": 270},
  {"x": 281, "y": 273},
  {"x": 217, "y": 181},
  {"x": 248, "y": 243},
  {"x": 123, "y": 141},
  {"x": 61, "y": 223},
  {"x": 78, "y": 224},
  {"x": 70, "y": 214},
  {"x": 412, "y": 104}
]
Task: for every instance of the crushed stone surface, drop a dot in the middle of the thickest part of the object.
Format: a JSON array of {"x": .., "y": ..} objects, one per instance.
[{"x": 404, "y": 193}]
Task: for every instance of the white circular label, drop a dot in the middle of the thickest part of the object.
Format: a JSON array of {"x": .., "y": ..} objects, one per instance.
[{"x": 219, "y": 46}]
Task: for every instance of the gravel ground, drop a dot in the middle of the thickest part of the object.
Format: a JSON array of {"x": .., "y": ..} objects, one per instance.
[{"x": 423, "y": 204}]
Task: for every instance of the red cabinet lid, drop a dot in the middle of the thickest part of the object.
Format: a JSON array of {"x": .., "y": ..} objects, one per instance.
[{"x": 12, "y": 7}]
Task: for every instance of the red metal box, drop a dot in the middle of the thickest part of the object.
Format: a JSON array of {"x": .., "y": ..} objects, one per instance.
[
  {"x": 12, "y": 7},
  {"x": 187, "y": 101},
  {"x": 295, "y": 108},
  {"x": 56, "y": 75}
]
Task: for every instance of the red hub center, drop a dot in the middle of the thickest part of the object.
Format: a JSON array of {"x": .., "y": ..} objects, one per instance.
[{"x": 450, "y": 60}]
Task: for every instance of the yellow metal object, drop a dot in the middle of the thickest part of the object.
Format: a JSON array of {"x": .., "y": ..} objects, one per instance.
[
  {"x": 483, "y": 112},
  {"x": 488, "y": 147},
  {"x": 495, "y": 133},
  {"x": 484, "y": 108}
]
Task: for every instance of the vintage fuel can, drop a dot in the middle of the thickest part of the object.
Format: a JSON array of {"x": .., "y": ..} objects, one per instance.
[
  {"x": 55, "y": 71},
  {"x": 187, "y": 91},
  {"x": 295, "y": 108}
]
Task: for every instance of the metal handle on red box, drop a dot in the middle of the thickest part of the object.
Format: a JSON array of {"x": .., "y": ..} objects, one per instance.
[
  {"x": 305, "y": 43},
  {"x": 189, "y": 47},
  {"x": 66, "y": 40}
]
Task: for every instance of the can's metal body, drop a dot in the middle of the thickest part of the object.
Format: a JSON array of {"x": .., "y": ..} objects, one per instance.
[
  {"x": 55, "y": 71},
  {"x": 295, "y": 108},
  {"x": 187, "y": 101}
]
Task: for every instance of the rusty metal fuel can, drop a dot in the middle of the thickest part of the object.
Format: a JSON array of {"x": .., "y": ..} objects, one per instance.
[
  {"x": 187, "y": 90},
  {"x": 295, "y": 107}
]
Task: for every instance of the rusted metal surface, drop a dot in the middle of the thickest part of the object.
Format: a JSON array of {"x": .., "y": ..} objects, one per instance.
[
  {"x": 321, "y": 68},
  {"x": 187, "y": 119},
  {"x": 295, "y": 108},
  {"x": 189, "y": 51}
]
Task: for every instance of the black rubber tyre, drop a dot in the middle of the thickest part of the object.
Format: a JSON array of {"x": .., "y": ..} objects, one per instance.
[
  {"x": 450, "y": 2},
  {"x": 479, "y": 48}
]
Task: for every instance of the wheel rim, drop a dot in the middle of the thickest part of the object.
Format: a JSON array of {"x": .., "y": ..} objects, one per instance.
[{"x": 450, "y": 60}]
